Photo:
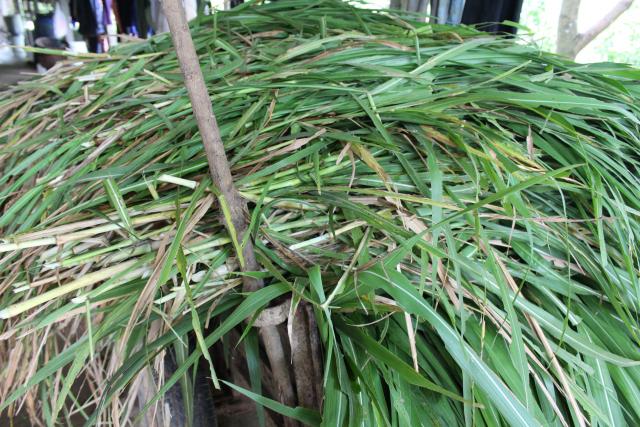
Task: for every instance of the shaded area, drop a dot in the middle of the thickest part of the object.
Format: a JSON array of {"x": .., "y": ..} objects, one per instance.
[{"x": 13, "y": 73}]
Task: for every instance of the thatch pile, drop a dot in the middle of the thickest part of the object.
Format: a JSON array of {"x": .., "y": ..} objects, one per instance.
[{"x": 469, "y": 203}]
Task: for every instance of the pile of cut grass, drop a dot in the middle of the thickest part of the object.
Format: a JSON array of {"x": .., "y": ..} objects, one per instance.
[{"x": 461, "y": 212}]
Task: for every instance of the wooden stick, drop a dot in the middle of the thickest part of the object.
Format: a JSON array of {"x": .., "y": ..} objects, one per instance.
[
  {"x": 209, "y": 132},
  {"x": 221, "y": 176}
]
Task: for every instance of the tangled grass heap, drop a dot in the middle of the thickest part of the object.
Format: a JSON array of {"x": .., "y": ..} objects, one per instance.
[{"x": 460, "y": 211}]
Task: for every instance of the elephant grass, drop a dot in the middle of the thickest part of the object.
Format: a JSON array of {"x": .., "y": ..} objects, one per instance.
[{"x": 460, "y": 211}]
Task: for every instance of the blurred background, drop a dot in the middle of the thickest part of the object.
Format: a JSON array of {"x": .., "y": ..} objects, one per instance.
[
  {"x": 620, "y": 42},
  {"x": 587, "y": 30}
]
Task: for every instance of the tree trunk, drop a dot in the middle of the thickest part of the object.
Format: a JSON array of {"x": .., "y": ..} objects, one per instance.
[
  {"x": 569, "y": 41},
  {"x": 568, "y": 28}
]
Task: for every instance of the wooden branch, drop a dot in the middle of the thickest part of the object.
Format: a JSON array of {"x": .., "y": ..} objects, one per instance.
[
  {"x": 587, "y": 37},
  {"x": 222, "y": 179},
  {"x": 209, "y": 132}
]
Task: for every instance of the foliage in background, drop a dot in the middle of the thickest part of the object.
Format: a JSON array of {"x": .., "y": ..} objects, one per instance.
[
  {"x": 618, "y": 43},
  {"x": 459, "y": 212}
]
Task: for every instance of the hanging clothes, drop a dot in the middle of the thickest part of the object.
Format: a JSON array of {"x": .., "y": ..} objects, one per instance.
[
  {"x": 88, "y": 13},
  {"x": 127, "y": 17},
  {"x": 61, "y": 21},
  {"x": 142, "y": 10},
  {"x": 93, "y": 17},
  {"x": 446, "y": 11},
  {"x": 106, "y": 13},
  {"x": 490, "y": 13},
  {"x": 133, "y": 17}
]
